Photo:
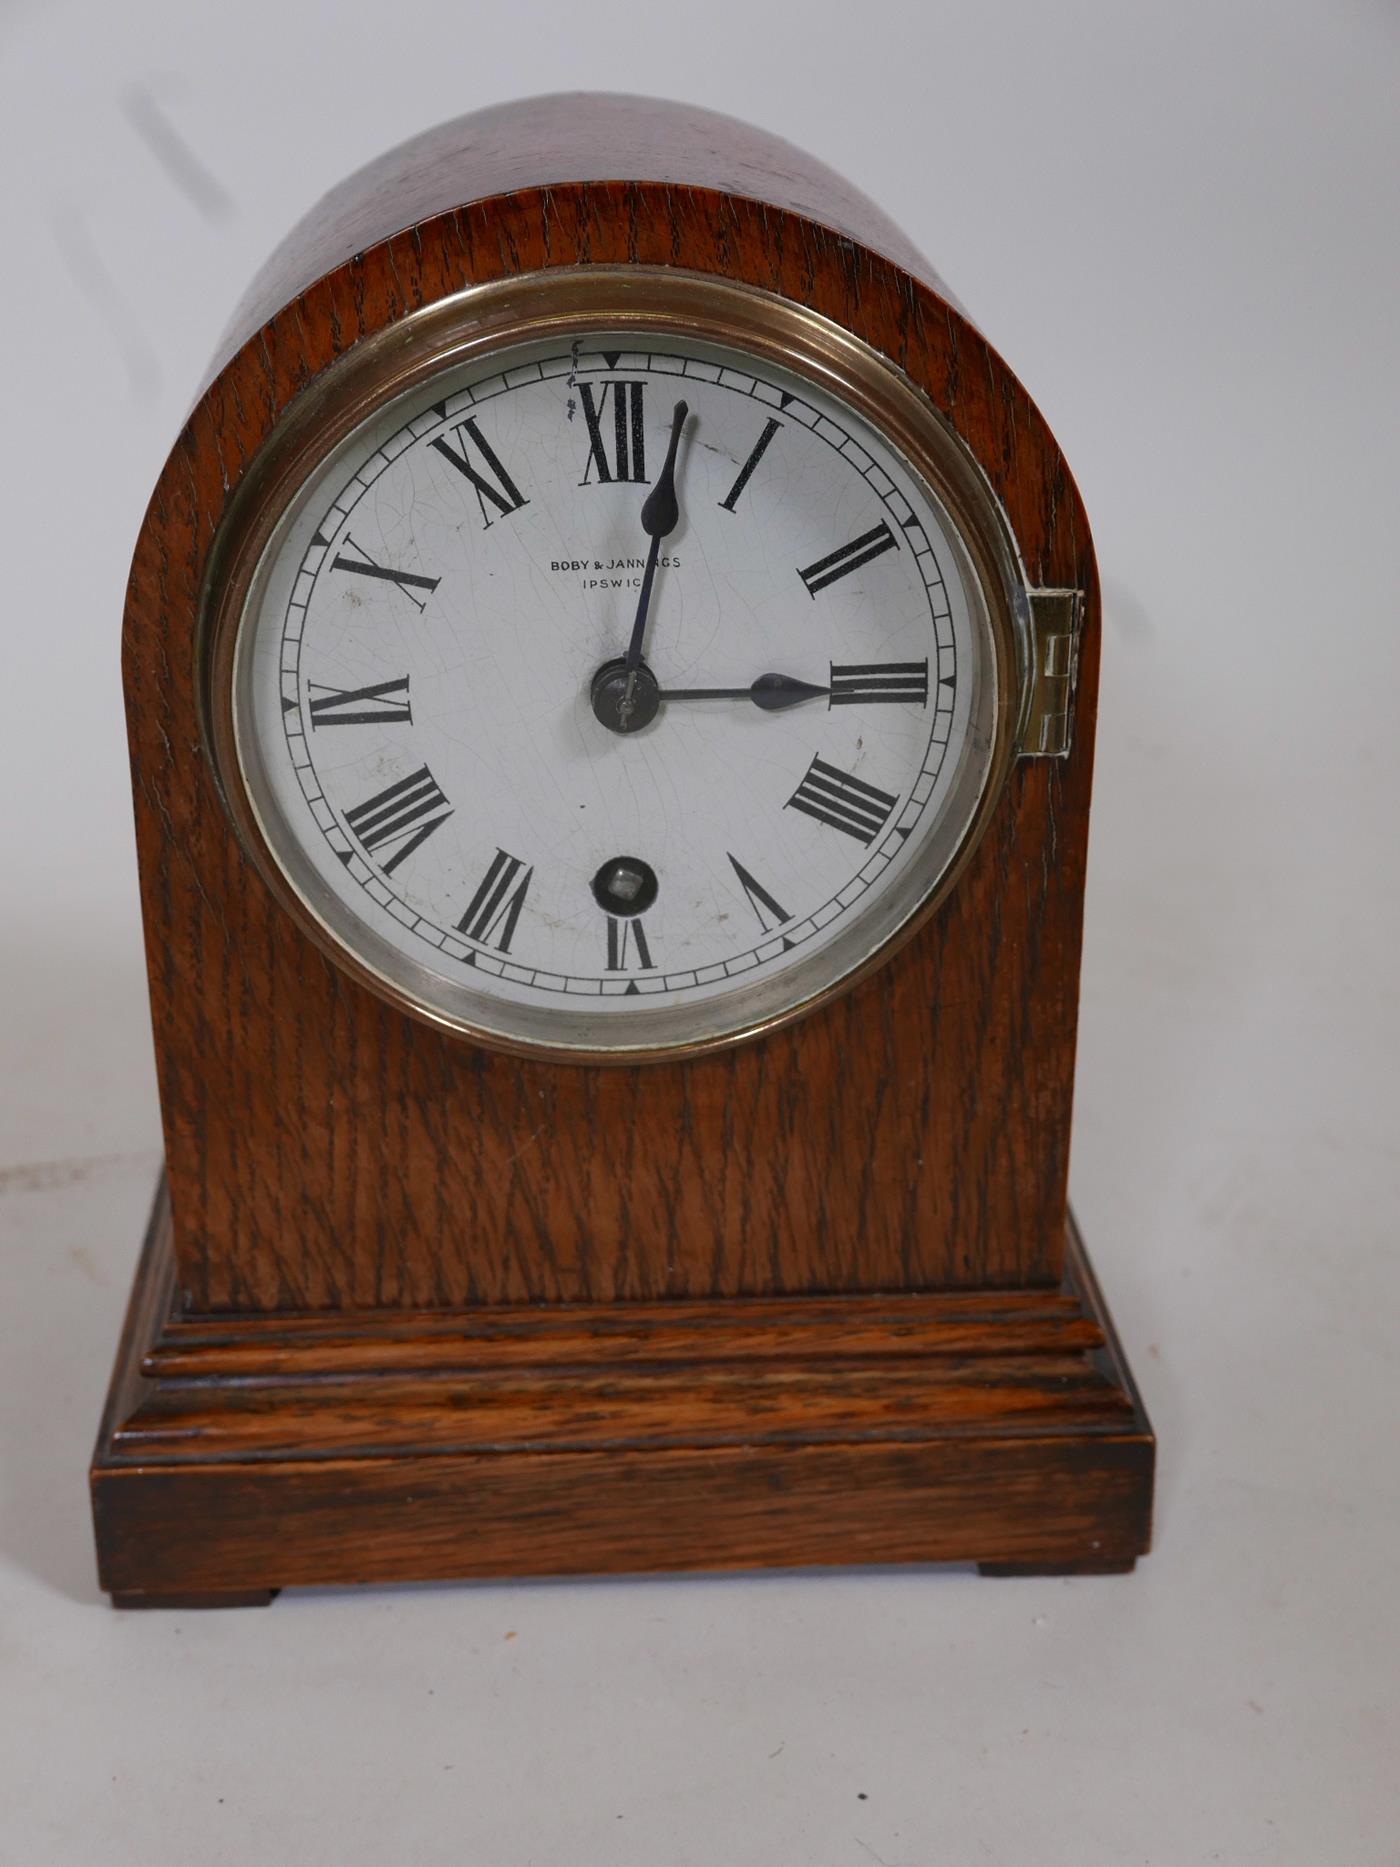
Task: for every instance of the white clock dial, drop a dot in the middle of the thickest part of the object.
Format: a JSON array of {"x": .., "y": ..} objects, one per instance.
[{"x": 522, "y": 830}]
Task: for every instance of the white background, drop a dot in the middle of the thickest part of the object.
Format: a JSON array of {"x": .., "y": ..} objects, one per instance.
[{"x": 1178, "y": 221}]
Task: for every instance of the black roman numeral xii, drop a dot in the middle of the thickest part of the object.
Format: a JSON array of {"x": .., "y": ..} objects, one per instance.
[{"x": 620, "y": 452}]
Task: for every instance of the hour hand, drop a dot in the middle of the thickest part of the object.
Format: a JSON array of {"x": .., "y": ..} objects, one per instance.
[{"x": 773, "y": 692}]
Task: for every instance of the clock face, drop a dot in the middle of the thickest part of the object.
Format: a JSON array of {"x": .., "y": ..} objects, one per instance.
[{"x": 614, "y": 693}]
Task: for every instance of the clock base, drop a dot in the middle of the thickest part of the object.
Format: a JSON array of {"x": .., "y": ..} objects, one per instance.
[{"x": 240, "y": 1454}]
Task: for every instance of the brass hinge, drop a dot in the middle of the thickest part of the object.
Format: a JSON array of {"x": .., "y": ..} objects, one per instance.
[{"x": 1049, "y": 722}]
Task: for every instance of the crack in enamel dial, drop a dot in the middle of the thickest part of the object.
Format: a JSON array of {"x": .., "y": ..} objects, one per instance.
[{"x": 622, "y": 692}]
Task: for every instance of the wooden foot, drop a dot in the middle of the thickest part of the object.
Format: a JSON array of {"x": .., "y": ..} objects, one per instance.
[
  {"x": 1114, "y": 1565},
  {"x": 234, "y": 1598}
]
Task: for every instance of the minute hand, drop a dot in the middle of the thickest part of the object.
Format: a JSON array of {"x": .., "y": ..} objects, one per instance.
[
  {"x": 772, "y": 692},
  {"x": 660, "y": 516}
]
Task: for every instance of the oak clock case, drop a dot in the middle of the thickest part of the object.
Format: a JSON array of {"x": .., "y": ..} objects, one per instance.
[{"x": 610, "y": 670}]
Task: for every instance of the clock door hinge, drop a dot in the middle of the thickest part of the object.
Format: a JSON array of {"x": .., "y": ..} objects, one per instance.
[{"x": 1054, "y": 666}]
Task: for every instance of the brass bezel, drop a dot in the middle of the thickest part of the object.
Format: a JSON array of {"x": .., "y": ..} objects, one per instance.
[{"x": 525, "y": 309}]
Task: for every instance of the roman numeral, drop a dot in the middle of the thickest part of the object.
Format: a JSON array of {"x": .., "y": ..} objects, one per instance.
[
  {"x": 405, "y": 815},
  {"x": 626, "y": 938},
  {"x": 363, "y": 565},
  {"x": 500, "y": 488},
  {"x": 850, "y": 557},
  {"x": 382, "y": 704},
  {"x": 495, "y": 907},
  {"x": 626, "y": 459},
  {"x": 760, "y": 900},
  {"x": 879, "y": 680},
  {"x": 846, "y": 803},
  {"x": 731, "y": 498}
]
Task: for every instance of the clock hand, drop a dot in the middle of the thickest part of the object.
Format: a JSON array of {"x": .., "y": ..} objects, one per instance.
[
  {"x": 773, "y": 692},
  {"x": 660, "y": 516}
]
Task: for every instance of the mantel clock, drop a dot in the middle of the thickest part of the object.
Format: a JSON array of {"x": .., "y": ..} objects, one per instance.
[{"x": 610, "y": 666}]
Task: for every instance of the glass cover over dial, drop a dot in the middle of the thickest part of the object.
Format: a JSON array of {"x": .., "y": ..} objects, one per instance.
[{"x": 615, "y": 693}]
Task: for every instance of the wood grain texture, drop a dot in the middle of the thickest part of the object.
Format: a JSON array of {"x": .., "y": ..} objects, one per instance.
[
  {"x": 327, "y": 1153},
  {"x": 540, "y": 142},
  {"x": 1004, "y": 1432}
]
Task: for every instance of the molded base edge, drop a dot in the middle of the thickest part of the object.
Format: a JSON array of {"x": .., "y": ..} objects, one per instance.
[{"x": 240, "y": 1455}]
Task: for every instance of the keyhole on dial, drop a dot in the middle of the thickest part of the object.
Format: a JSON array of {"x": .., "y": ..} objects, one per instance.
[{"x": 625, "y": 885}]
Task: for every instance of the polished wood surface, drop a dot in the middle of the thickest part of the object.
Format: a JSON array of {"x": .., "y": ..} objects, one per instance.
[
  {"x": 325, "y": 1151},
  {"x": 261, "y": 1453},
  {"x": 534, "y": 144}
]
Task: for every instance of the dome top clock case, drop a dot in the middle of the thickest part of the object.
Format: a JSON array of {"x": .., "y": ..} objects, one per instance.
[{"x": 610, "y": 668}]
